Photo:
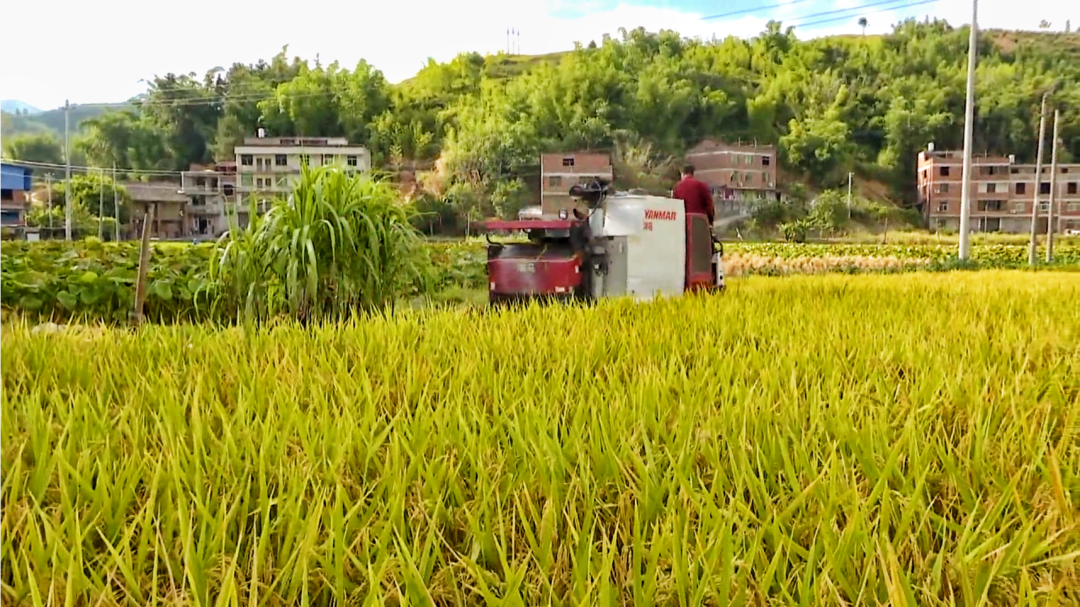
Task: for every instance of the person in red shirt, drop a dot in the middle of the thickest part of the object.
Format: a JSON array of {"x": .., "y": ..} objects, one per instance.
[{"x": 696, "y": 196}]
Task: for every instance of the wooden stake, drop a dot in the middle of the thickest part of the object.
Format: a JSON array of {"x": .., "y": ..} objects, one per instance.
[{"x": 144, "y": 263}]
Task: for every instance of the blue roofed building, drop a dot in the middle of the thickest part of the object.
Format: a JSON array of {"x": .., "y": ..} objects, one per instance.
[{"x": 15, "y": 184}]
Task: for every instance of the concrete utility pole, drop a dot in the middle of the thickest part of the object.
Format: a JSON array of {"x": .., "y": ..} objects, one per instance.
[
  {"x": 48, "y": 192},
  {"x": 849, "y": 195},
  {"x": 1032, "y": 245},
  {"x": 969, "y": 119},
  {"x": 101, "y": 205},
  {"x": 116, "y": 206},
  {"x": 67, "y": 172},
  {"x": 1053, "y": 187}
]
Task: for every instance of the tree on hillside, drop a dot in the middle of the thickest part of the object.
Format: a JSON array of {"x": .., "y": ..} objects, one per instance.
[
  {"x": 124, "y": 140},
  {"x": 185, "y": 111},
  {"x": 329, "y": 101},
  {"x": 863, "y": 23},
  {"x": 637, "y": 164},
  {"x": 37, "y": 147}
]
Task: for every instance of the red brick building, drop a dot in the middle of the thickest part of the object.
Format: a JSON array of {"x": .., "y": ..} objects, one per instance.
[
  {"x": 1002, "y": 193},
  {"x": 737, "y": 173},
  {"x": 559, "y": 172}
]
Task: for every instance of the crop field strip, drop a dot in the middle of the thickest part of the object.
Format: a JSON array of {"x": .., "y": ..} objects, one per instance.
[
  {"x": 824, "y": 440},
  {"x": 96, "y": 281}
]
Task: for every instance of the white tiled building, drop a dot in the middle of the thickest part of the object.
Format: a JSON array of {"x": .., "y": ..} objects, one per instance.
[{"x": 267, "y": 167}]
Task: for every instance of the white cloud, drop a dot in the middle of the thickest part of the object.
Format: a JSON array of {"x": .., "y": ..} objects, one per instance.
[{"x": 99, "y": 51}]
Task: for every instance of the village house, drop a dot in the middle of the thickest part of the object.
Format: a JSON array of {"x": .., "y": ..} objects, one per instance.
[{"x": 1002, "y": 193}]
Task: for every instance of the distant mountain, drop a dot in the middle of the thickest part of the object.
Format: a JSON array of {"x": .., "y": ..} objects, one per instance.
[
  {"x": 14, "y": 105},
  {"x": 53, "y": 120}
]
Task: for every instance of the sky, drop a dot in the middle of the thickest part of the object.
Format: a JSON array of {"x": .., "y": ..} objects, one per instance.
[{"x": 102, "y": 51}]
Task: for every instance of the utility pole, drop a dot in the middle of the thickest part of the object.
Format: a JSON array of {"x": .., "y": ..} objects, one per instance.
[
  {"x": 849, "y": 195},
  {"x": 1032, "y": 245},
  {"x": 969, "y": 119},
  {"x": 115, "y": 206},
  {"x": 48, "y": 192},
  {"x": 101, "y": 205},
  {"x": 1053, "y": 184},
  {"x": 67, "y": 172}
]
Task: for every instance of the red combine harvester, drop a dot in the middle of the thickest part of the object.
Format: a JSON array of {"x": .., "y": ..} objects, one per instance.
[{"x": 633, "y": 245}]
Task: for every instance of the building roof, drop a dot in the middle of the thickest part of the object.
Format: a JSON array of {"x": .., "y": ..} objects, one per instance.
[
  {"x": 711, "y": 145},
  {"x": 298, "y": 142},
  {"x": 159, "y": 191}
]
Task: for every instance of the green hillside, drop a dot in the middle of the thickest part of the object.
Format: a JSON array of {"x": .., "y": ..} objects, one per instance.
[
  {"x": 52, "y": 120},
  {"x": 831, "y": 106}
]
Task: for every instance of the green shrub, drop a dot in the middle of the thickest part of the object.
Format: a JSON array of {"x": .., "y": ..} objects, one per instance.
[{"x": 340, "y": 242}]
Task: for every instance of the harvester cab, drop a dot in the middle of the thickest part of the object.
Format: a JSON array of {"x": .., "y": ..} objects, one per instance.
[{"x": 610, "y": 244}]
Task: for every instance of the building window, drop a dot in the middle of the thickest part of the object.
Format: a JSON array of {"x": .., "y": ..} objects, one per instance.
[
  {"x": 1021, "y": 188},
  {"x": 227, "y": 189},
  {"x": 554, "y": 182},
  {"x": 568, "y": 161},
  {"x": 749, "y": 178},
  {"x": 1015, "y": 171},
  {"x": 1018, "y": 207},
  {"x": 328, "y": 159},
  {"x": 1071, "y": 188},
  {"x": 247, "y": 160},
  {"x": 1044, "y": 188},
  {"x": 304, "y": 159},
  {"x": 991, "y": 188},
  {"x": 943, "y": 207},
  {"x": 943, "y": 171},
  {"x": 765, "y": 161},
  {"x": 943, "y": 188},
  {"x": 351, "y": 160},
  {"x": 281, "y": 160},
  {"x": 245, "y": 179},
  {"x": 1074, "y": 207}
]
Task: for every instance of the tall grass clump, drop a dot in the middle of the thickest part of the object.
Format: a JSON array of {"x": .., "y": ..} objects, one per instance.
[
  {"x": 340, "y": 242},
  {"x": 904, "y": 440}
]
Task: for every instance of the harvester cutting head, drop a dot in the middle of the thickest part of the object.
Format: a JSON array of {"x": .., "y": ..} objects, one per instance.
[{"x": 619, "y": 244}]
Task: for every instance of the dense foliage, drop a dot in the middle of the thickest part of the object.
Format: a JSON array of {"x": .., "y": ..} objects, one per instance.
[
  {"x": 341, "y": 242},
  {"x": 62, "y": 280},
  {"x": 863, "y": 103},
  {"x": 894, "y": 440}
]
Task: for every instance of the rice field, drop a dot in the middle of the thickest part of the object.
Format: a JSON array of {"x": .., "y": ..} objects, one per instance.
[{"x": 905, "y": 439}]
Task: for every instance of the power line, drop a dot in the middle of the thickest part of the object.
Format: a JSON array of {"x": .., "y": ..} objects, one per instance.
[
  {"x": 880, "y": 10},
  {"x": 752, "y": 10},
  {"x": 223, "y": 99},
  {"x": 848, "y": 10},
  {"x": 90, "y": 169}
]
